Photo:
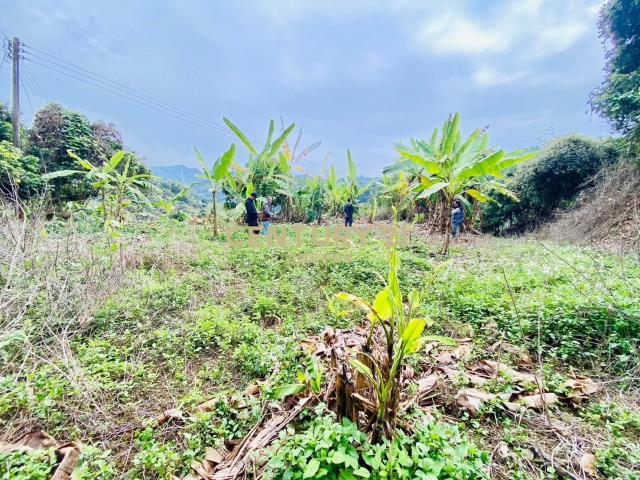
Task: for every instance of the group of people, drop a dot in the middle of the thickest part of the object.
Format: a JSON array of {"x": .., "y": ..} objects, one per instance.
[{"x": 266, "y": 214}]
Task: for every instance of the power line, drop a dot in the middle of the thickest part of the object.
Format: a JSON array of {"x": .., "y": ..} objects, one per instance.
[
  {"x": 37, "y": 88},
  {"x": 27, "y": 79},
  {"x": 33, "y": 110},
  {"x": 131, "y": 99},
  {"x": 5, "y": 48},
  {"x": 43, "y": 56}
]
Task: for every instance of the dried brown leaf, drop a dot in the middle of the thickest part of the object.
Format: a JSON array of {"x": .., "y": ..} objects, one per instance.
[
  {"x": 588, "y": 464},
  {"x": 537, "y": 401}
]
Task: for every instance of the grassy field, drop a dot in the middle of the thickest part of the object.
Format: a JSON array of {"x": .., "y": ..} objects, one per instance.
[{"x": 97, "y": 342}]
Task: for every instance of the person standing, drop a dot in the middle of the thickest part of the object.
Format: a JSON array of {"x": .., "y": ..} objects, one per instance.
[
  {"x": 252, "y": 212},
  {"x": 348, "y": 214},
  {"x": 267, "y": 213},
  {"x": 457, "y": 218}
]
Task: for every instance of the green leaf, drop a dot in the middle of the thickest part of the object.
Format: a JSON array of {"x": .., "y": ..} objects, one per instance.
[
  {"x": 346, "y": 475},
  {"x": 363, "y": 369},
  {"x": 355, "y": 300},
  {"x": 221, "y": 167},
  {"x": 59, "y": 173},
  {"x": 351, "y": 167},
  {"x": 413, "y": 330},
  {"x": 83, "y": 163},
  {"x": 479, "y": 196},
  {"x": 340, "y": 457},
  {"x": 451, "y": 134},
  {"x": 115, "y": 160},
  {"x": 382, "y": 306},
  {"x": 275, "y": 146},
  {"x": 241, "y": 136},
  {"x": 414, "y": 299},
  {"x": 272, "y": 127},
  {"x": 440, "y": 339},
  {"x": 283, "y": 391},
  {"x": 515, "y": 158},
  {"x": 435, "y": 188},
  {"x": 362, "y": 472},
  {"x": 312, "y": 468}
]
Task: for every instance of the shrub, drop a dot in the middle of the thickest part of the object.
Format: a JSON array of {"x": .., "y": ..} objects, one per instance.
[
  {"x": 154, "y": 459},
  {"x": 24, "y": 465},
  {"x": 18, "y": 171},
  {"x": 326, "y": 449},
  {"x": 563, "y": 167}
]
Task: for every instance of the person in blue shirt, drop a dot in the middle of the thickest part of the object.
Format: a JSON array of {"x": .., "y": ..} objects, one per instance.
[
  {"x": 267, "y": 214},
  {"x": 457, "y": 218}
]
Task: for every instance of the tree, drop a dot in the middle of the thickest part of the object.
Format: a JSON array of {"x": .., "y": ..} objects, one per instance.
[
  {"x": 451, "y": 168},
  {"x": 56, "y": 130},
  {"x": 217, "y": 177},
  {"x": 618, "y": 98}
]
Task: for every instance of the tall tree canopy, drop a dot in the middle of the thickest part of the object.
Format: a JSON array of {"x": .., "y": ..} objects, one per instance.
[
  {"x": 56, "y": 130},
  {"x": 618, "y": 98}
]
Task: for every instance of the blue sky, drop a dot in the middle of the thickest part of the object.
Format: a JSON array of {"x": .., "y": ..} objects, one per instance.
[{"x": 353, "y": 74}]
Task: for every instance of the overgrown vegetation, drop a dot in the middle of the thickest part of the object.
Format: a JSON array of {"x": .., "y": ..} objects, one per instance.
[
  {"x": 116, "y": 340},
  {"x": 137, "y": 340}
]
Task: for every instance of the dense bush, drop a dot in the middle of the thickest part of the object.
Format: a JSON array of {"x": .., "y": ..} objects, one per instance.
[
  {"x": 18, "y": 173},
  {"x": 5, "y": 123},
  {"x": 563, "y": 167}
]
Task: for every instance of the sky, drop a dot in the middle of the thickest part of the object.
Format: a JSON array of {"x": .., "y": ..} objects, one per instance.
[{"x": 358, "y": 74}]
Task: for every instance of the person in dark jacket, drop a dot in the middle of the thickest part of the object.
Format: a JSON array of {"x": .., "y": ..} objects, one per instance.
[
  {"x": 252, "y": 212},
  {"x": 457, "y": 218},
  {"x": 348, "y": 214}
]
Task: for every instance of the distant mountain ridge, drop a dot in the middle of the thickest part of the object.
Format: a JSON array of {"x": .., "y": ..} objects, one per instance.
[
  {"x": 184, "y": 175},
  {"x": 189, "y": 175}
]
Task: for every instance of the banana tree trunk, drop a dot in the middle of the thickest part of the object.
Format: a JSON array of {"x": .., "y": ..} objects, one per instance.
[
  {"x": 215, "y": 214},
  {"x": 447, "y": 236}
]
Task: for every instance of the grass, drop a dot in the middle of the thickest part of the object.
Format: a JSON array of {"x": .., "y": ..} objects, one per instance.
[{"x": 94, "y": 341}]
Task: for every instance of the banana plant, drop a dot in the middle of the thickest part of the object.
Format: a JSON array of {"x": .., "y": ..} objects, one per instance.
[
  {"x": 116, "y": 187},
  {"x": 263, "y": 165},
  {"x": 217, "y": 177},
  {"x": 451, "y": 168},
  {"x": 168, "y": 205},
  {"x": 287, "y": 187},
  {"x": 403, "y": 334},
  {"x": 352, "y": 177}
]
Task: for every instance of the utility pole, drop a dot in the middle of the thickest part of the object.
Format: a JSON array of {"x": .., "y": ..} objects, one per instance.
[{"x": 15, "y": 106}]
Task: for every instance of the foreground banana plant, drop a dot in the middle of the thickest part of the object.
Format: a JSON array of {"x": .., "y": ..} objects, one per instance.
[{"x": 403, "y": 333}]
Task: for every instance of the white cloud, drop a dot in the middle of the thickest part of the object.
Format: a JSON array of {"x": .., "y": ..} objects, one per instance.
[
  {"x": 535, "y": 28},
  {"x": 487, "y": 76},
  {"x": 558, "y": 39},
  {"x": 454, "y": 34}
]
